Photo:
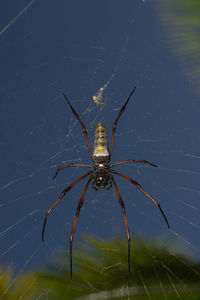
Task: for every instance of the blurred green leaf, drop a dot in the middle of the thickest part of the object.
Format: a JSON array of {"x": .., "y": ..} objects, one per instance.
[
  {"x": 181, "y": 20},
  {"x": 100, "y": 271}
]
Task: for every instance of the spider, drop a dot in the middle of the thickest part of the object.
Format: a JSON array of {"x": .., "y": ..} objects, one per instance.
[{"x": 101, "y": 175}]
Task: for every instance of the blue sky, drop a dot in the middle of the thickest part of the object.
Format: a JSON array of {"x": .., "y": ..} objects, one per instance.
[{"x": 75, "y": 47}]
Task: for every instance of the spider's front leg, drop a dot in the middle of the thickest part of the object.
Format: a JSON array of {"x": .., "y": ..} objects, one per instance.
[
  {"x": 142, "y": 190},
  {"x": 75, "y": 221},
  {"x": 121, "y": 202},
  {"x": 59, "y": 199}
]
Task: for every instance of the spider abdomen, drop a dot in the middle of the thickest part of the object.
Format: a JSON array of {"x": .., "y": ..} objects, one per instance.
[{"x": 100, "y": 152}]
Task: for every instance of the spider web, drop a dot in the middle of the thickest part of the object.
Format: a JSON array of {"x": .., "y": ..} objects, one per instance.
[{"x": 47, "y": 49}]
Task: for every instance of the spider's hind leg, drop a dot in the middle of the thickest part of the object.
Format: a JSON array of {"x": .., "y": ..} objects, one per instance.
[
  {"x": 81, "y": 123},
  {"x": 117, "y": 119}
]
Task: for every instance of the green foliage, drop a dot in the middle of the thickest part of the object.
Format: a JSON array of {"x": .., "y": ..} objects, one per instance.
[
  {"x": 12, "y": 288},
  {"x": 100, "y": 272},
  {"x": 181, "y": 19}
]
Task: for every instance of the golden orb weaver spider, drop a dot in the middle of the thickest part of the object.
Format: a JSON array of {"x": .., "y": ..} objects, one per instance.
[{"x": 101, "y": 174}]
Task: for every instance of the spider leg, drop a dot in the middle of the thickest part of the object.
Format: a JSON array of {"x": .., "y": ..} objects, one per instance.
[
  {"x": 70, "y": 165},
  {"x": 132, "y": 160},
  {"x": 117, "y": 119},
  {"x": 75, "y": 221},
  {"x": 142, "y": 190},
  {"x": 110, "y": 185},
  {"x": 59, "y": 198},
  {"x": 82, "y": 125},
  {"x": 121, "y": 202}
]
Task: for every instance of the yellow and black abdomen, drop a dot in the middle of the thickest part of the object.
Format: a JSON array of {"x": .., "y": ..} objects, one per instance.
[{"x": 100, "y": 152}]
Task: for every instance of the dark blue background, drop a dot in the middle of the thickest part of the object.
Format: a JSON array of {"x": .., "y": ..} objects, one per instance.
[{"x": 74, "y": 47}]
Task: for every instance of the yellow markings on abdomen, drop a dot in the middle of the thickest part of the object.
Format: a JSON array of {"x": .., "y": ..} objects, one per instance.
[{"x": 100, "y": 151}]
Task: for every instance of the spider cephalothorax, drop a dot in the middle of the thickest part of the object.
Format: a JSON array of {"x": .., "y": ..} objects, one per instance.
[{"x": 101, "y": 174}]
